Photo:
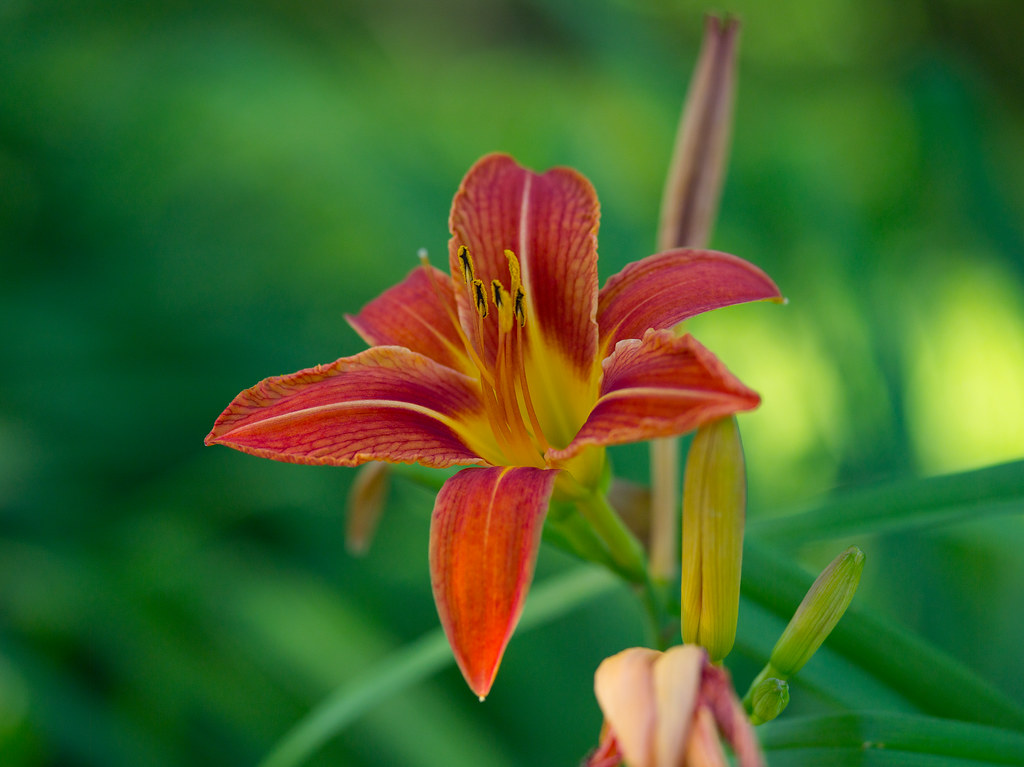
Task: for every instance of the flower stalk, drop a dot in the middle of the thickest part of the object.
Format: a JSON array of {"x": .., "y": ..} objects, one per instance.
[
  {"x": 688, "y": 210},
  {"x": 625, "y": 550}
]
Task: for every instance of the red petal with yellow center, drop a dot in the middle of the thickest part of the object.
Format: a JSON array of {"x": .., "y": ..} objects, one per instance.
[
  {"x": 484, "y": 537},
  {"x": 418, "y": 314},
  {"x": 384, "y": 404},
  {"x": 550, "y": 222},
  {"x": 663, "y": 290},
  {"x": 659, "y": 386}
]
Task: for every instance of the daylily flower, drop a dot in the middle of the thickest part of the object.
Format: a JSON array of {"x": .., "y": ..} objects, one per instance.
[
  {"x": 515, "y": 365},
  {"x": 668, "y": 710}
]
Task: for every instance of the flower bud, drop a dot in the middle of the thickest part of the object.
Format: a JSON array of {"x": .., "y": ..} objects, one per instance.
[
  {"x": 769, "y": 698},
  {"x": 688, "y": 208},
  {"x": 714, "y": 511},
  {"x": 819, "y": 613},
  {"x": 670, "y": 708},
  {"x": 694, "y": 182}
]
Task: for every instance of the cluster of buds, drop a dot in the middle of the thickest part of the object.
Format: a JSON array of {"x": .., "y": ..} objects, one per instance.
[{"x": 674, "y": 708}]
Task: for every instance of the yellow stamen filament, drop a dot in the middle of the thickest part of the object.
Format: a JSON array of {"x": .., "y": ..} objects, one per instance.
[
  {"x": 524, "y": 388},
  {"x": 505, "y": 365},
  {"x": 504, "y": 388}
]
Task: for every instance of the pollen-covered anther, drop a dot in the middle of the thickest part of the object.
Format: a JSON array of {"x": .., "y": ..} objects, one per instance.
[
  {"x": 480, "y": 297},
  {"x": 518, "y": 307},
  {"x": 466, "y": 260},
  {"x": 514, "y": 271},
  {"x": 503, "y": 303}
]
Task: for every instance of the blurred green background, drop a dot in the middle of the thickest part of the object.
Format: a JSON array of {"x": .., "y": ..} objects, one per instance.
[{"x": 193, "y": 194}]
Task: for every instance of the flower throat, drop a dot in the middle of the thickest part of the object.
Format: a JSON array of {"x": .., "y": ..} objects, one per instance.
[{"x": 506, "y": 393}]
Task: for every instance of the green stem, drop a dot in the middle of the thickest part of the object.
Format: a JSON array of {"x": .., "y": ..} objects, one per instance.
[
  {"x": 664, "y": 535},
  {"x": 623, "y": 546},
  {"x": 567, "y": 529},
  {"x": 627, "y": 553}
]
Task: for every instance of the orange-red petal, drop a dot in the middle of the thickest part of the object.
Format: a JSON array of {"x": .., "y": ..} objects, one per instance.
[
  {"x": 484, "y": 536},
  {"x": 550, "y": 222},
  {"x": 662, "y": 290},
  {"x": 659, "y": 386},
  {"x": 417, "y": 313},
  {"x": 384, "y": 404}
]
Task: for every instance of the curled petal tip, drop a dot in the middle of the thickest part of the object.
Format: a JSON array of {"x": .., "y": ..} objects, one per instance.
[{"x": 662, "y": 290}]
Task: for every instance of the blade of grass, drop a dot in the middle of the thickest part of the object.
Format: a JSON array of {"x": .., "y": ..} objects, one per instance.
[
  {"x": 888, "y": 739},
  {"x": 902, "y": 505},
  {"x": 911, "y": 667},
  {"x": 417, "y": 661}
]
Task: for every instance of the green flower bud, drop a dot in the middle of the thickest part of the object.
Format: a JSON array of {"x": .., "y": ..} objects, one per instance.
[
  {"x": 769, "y": 698},
  {"x": 714, "y": 512},
  {"x": 819, "y": 613}
]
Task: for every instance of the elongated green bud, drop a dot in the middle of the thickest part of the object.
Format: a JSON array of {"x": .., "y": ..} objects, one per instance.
[
  {"x": 769, "y": 698},
  {"x": 819, "y": 613},
  {"x": 714, "y": 511}
]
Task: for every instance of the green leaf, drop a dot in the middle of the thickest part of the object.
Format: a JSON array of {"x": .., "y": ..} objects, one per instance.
[
  {"x": 901, "y": 505},
  {"x": 417, "y": 661},
  {"x": 924, "y": 675},
  {"x": 887, "y": 739}
]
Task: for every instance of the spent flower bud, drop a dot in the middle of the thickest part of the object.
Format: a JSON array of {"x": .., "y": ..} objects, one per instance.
[
  {"x": 670, "y": 708},
  {"x": 694, "y": 182},
  {"x": 365, "y": 504},
  {"x": 714, "y": 512}
]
